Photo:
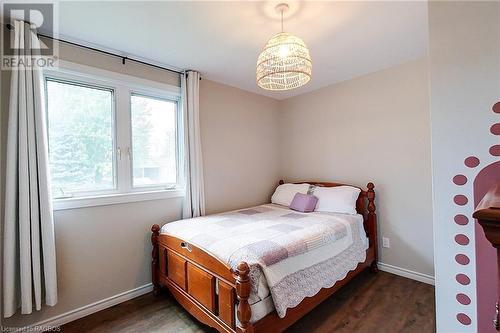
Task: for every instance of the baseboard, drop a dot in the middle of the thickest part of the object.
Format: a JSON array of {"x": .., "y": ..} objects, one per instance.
[
  {"x": 130, "y": 294},
  {"x": 429, "y": 279},
  {"x": 91, "y": 308}
]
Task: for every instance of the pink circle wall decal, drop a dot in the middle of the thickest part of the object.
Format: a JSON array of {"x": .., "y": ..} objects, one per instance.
[
  {"x": 463, "y": 319},
  {"x": 462, "y": 259},
  {"x": 471, "y": 161},
  {"x": 462, "y": 279},
  {"x": 495, "y": 129},
  {"x": 460, "y": 199},
  {"x": 461, "y": 239},
  {"x": 461, "y": 219},
  {"x": 463, "y": 299},
  {"x": 459, "y": 180},
  {"x": 495, "y": 150},
  {"x": 496, "y": 107}
]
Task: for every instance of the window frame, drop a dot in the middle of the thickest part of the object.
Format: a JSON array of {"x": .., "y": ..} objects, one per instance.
[
  {"x": 79, "y": 194},
  {"x": 164, "y": 186},
  {"x": 123, "y": 87}
]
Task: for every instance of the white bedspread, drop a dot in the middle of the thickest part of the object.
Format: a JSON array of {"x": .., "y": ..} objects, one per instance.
[{"x": 291, "y": 255}]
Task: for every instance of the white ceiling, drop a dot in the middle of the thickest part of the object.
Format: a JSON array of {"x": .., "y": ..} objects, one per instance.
[{"x": 223, "y": 39}]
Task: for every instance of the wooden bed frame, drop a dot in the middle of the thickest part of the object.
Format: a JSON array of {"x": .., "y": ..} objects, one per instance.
[{"x": 210, "y": 290}]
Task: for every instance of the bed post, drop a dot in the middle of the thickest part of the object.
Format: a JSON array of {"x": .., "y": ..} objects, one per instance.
[
  {"x": 155, "y": 233},
  {"x": 372, "y": 224},
  {"x": 243, "y": 292}
]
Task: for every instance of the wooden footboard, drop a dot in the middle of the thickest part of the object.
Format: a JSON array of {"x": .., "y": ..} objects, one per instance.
[
  {"x": 205, "y": 286},
  {"x": 218, "y": 296}
]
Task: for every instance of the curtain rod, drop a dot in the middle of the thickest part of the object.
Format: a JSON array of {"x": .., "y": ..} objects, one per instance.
[{"x": 124, "y": 58}]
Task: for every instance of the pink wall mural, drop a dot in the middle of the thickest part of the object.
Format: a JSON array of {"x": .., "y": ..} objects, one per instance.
[
  {"x": 464, "y": 75},
  {"x": 486, "y": 264}
]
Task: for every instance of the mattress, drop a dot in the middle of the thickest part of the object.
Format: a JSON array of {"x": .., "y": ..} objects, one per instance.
[
  {"x": 263, "y": 305},
  {"x": 286, "y": 250},
  {"x": 262, "y": 287}
]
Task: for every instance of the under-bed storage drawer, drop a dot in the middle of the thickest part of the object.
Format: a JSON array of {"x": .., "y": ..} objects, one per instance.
[
  {"x": 176, "y": 267},
  {"x": 201, "y": 285}
]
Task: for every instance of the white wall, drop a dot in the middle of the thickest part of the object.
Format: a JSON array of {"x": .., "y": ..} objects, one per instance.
[
  {"x": 372, "y": 128},
  {"x": 464, "y": 57}
]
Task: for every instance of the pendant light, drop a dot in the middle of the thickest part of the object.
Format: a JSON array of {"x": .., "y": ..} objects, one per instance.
[{"x": 284, "y": 63}]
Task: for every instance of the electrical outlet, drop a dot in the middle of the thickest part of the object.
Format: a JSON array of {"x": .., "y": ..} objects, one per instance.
[{"x": 386, "y": 242}]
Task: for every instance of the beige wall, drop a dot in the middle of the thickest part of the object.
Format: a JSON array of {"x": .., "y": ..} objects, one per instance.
[
  {"x": 373, "y": 128},
  {"x": 104, "y": 251},
  {"x": 90, "y": 58},
  {"x": 240, "y": 146},
  {"x": 101, "y": 251}
]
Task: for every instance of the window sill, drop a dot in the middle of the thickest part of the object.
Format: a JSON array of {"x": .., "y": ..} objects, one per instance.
[{"x": 113, "y": 199}]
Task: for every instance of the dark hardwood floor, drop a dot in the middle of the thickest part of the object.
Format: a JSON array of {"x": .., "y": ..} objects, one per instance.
[{"x": 372, "y": 303}]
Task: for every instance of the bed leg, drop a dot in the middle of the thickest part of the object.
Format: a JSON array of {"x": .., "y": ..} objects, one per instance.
[
  {"x": 372, "y": 225},
  {"x": 243, "y": 288},
  {"x": 155, "y": 269}
]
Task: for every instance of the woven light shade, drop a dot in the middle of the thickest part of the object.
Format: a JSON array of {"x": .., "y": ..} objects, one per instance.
[{"x": 284, "y": 63}]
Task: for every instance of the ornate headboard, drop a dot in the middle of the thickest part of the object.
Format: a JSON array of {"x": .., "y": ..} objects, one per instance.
[
  {"x": 365, "y": 196},
  {"x": 365, "y": 205}
]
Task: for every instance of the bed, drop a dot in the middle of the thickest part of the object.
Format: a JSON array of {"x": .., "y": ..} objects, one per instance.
[{"x": 262, "y": 268}]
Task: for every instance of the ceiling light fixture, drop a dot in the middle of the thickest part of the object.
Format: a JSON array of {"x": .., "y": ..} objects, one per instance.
[{"x": 284, "y": 63}]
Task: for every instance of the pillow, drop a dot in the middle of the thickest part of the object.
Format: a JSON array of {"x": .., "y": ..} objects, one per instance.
[
  {"x": 283, "y": 195},
  {"x": 339, "y": 199},
  {"x": 304, "y": 203}
]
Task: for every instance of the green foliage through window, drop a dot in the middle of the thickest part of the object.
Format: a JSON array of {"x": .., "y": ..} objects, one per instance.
[
  {"x": 80, "y": 122},
  {"x": 153, "y": 141}
]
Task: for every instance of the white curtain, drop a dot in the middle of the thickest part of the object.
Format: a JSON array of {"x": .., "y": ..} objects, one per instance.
[
  {"x": 194, "y": 201},
  {"x": 29, "y": 272}
]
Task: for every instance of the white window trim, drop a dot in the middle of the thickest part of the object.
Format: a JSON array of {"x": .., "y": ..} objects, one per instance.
[
  {"x": 97, "y": 74},
  {"x": 113, "y": 199},
  {"x": 124, "y": 191}
]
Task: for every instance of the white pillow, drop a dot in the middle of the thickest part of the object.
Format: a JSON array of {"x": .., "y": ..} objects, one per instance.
[
  {"x": 283, "y": 195},
  {"x": 338, "y": 199}
]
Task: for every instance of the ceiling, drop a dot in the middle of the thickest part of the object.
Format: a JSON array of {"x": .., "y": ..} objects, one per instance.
[{"x": 223, "y": 39}]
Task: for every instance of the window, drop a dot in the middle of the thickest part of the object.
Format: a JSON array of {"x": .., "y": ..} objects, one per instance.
[
  {"x": 80, "y": 121},
  {"x": 111, "y": 136},
  {"x": 154, "y": 141}
]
